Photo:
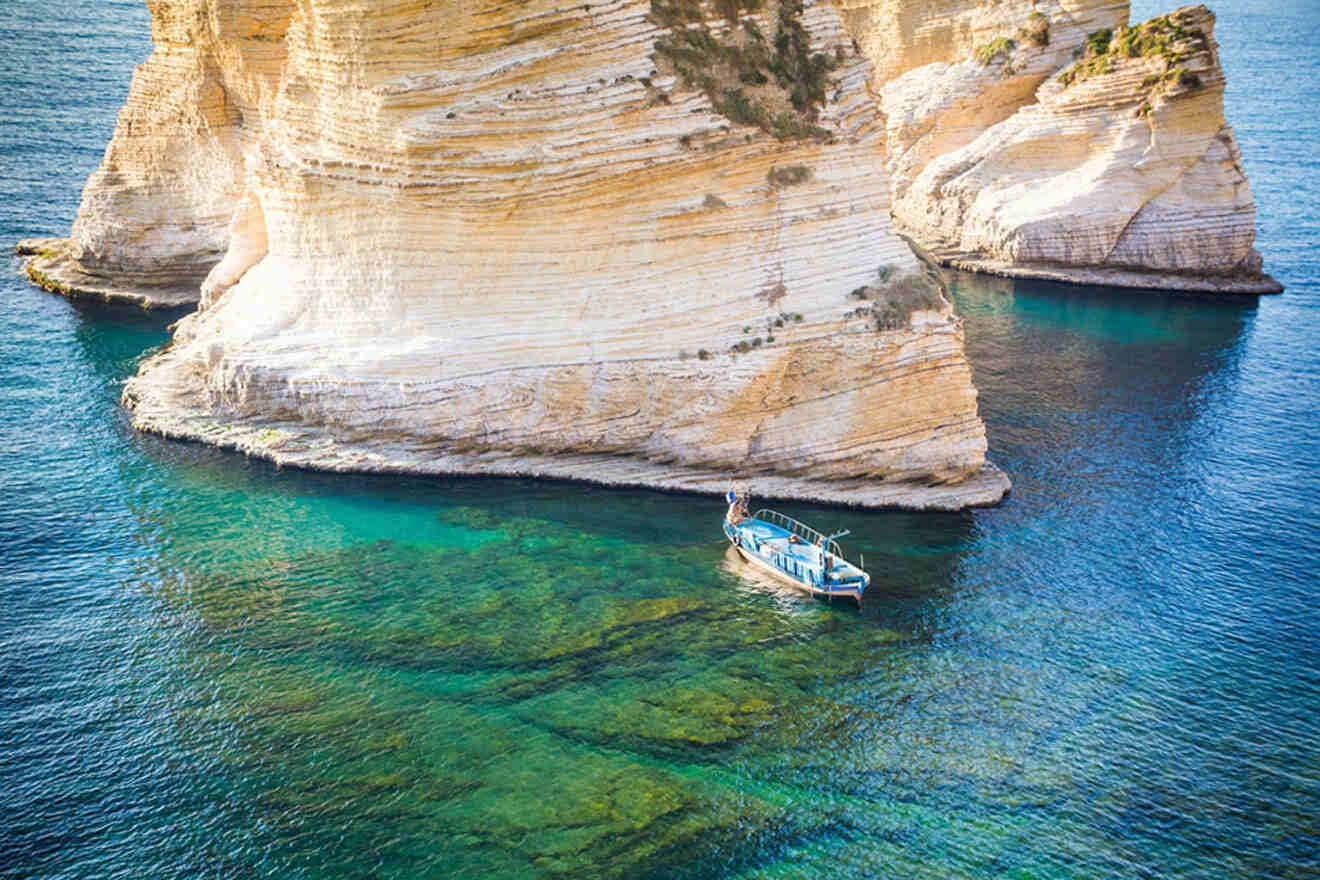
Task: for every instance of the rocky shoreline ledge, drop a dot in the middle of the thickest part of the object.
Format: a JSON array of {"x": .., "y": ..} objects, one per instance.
[
  {"x": 52, "y": 267},
  {"x": 1109, "y": 276},
  {"x": 296, "y": 445}
]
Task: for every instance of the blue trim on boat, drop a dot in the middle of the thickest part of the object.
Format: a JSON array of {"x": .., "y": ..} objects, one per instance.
[{"x": 815, "y": 564}]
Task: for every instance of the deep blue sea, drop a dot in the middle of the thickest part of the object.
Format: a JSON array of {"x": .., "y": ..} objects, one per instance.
[{"x": 212, "y": 668}]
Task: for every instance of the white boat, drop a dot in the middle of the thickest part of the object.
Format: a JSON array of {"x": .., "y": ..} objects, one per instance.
[{"x": 793, "y": 551}]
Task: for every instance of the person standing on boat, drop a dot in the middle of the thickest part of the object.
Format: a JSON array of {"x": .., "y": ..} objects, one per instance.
[
  {"x": 737, "y": 508},
  {"x": 826, "y": 562}
]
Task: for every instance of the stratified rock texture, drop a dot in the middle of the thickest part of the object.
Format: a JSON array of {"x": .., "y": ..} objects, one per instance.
[
  {"x": 940, "y": 107},
  {"x": 634, "y": 243},
  {"x": 1123, "y": 171},
  {"x": 901, "y": 35},
  {"x": 154, "y": 217}
]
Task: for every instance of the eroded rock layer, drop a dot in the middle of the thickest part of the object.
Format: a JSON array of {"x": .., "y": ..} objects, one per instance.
[
  {"x": 154, "y": 216},
  {"x": 902, "y": 35},
  {"x": 624, "y": 242},
  {"x": 1120, "y": 169}
]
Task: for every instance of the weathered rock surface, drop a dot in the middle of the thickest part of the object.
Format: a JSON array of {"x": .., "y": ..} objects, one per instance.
[
  {"x": 940, "y": 107},
  {"x": 51, "y": 266},
  {"x": 618, "y": 242},
  {"x": 640, "y": 243},
  {"x": 902, "y": 35},
  {"x": 154, "y": 217},
  {"x": 1121, "y": 169}
]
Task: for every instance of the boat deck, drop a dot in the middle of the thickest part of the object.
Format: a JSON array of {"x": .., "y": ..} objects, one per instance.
[
  {"x": 767, "y": 533},
  {"x": 785, "y": 554}
]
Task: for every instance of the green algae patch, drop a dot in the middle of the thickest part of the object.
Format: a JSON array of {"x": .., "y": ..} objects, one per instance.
[
  {"x": 46, "y": 282},
  {"x": 558, "y": 628},
  {"x": 697, "y": 714},
  {"x": 478, "y": 518},
  {"x": 756, "y": 686},
  {"x": 706, "y": 716}
]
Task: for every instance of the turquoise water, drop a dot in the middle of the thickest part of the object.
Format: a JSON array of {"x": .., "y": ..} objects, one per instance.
[{"x": 209, "y": 667}]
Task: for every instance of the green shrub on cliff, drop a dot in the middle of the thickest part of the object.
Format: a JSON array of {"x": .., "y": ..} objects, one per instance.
[
  {"x": 787, "y": 175},
  {"x": 1161, "y": 37},
  {"x": 778, "y": 86},
  {"x": 738, "y": 108},
  {"x": 892, "y": 304},
  {"x": 1098, "y": 41},
  {"x": 995, "y": 48},
  {"x": 1095, "y": 59},
  {"x": 1037, "y": 29}
]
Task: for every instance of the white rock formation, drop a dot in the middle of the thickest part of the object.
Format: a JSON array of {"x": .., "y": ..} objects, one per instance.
[
  {"x": 510, "y": 240},
  {"x": 902, "y": 35},
  {"x": 641, "y": 242},
  {"x": 932, "y": 110},
  {"x": 1121, "y": 171},
  {"x": 154, "y": 217}
]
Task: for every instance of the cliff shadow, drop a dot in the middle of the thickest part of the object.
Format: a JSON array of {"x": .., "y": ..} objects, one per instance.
[{"x": 1065, "y": 370}]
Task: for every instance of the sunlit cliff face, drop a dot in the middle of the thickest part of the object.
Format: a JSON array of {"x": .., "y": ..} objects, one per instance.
[
  {"x": 449, "y": 238},
  {"x": 1119, "y": 169},
  {"x": 526, "y": 238}
]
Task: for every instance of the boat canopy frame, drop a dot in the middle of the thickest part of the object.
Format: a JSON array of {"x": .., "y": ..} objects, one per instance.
[{"x": 803, "y": 531}]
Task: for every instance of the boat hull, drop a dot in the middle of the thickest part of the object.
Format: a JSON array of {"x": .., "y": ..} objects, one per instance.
[{"x": 750, "y": 556}]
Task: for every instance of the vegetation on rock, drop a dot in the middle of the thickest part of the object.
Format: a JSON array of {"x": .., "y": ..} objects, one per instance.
[
  {"x": 892, "y": 305},
  {"x": 994, "y": 49},
  {"x": 772, "y": 323},
  {"x": 1036, "y": 31},
  {"x": 46, "y": 282},
  {"x": 775, "y": 85},
  {"x": 787, "y": 175},
  {"x": 1163, "y": 37}
]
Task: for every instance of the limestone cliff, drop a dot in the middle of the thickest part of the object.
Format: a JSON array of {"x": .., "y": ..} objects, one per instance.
[
  {"x": 996, "y": 62},
  {"x": 901, "y": 35},
  {"x": 637, "y": 243},
  {"x": 1049, "y": 194},
  {"x": 1119, "y": 169},
  {"x": 154, "y": 217}
]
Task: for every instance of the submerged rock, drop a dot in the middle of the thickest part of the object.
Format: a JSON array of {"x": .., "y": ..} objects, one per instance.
[{"x": 380, "y": 695}]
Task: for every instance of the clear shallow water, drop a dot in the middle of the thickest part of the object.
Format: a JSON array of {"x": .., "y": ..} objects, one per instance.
[{"x": 212, "y": 668}]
